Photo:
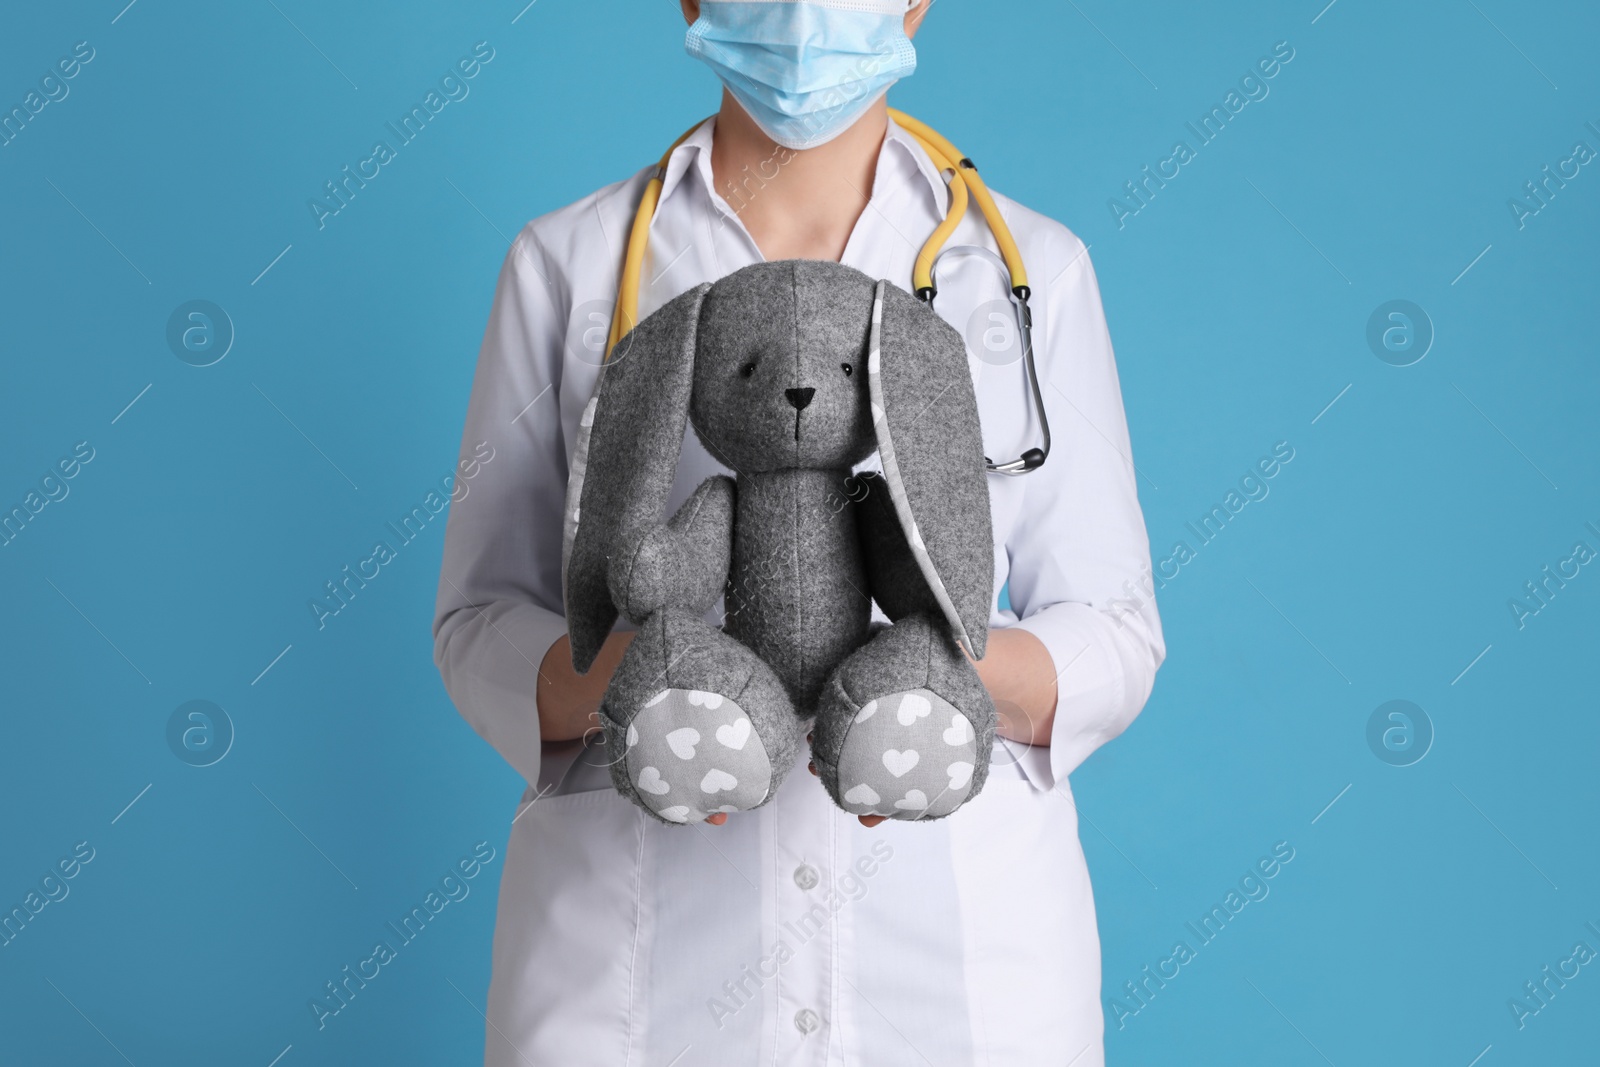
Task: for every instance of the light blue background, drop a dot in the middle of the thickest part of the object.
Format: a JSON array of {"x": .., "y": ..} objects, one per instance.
[{"x": 1378, "y": 568}]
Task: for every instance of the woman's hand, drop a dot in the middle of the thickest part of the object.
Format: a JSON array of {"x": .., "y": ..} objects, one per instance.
[
  {"x": 569, "y": 702},
  {"x": 1020, "y": 675}
]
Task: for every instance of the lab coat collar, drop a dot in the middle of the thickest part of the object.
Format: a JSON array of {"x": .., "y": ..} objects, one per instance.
[
  {"x": 937, "y": 189},
  {"x": 695, "y": 152}
]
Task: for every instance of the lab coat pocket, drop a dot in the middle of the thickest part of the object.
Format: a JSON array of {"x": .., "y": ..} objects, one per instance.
[
  {"x": 569, "y": 931},
  {"x": 575, "y": 766},
  {"x": 1031, "y": 947}
]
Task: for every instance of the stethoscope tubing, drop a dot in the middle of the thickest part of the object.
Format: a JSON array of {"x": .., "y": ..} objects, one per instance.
[
  {"x": 961, "y": 176},
  {"x": 1033, "y": 458}
]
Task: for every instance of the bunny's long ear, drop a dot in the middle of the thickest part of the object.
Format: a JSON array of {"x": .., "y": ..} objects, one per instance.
[
  {"x": 925, "y": 415},
  {"x": 623, "y": 464}
]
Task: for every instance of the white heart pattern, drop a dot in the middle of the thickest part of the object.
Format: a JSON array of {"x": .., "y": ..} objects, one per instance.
[
  {"x": 717, "y": 781},
  {"x": 868, "y": 710},
  {"x": 710, "y": 700},
  {"x": 898, "y": 763},
  {"x": 658, "y": 698},
  {"x": 960, "y": 731},
  {"x": 861, "y": 794},
  {"x": 633, "y": 735},
  {"x": 650, "y": 781},
  {"x": 960, "y": 773},
  {"x": 682, "y": 741},
  {"x": 676, "y": 813},
  {"x": 912, "y": 708},
  {"x": 914, "y": 800},
  {"x": 735, "y": 734}
]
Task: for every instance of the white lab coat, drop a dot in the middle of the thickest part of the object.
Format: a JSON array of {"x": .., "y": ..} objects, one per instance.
[{"x": 793, "y": 935}]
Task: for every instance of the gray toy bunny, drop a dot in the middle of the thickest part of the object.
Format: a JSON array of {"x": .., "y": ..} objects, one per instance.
[{"x": 791, "y": 373}]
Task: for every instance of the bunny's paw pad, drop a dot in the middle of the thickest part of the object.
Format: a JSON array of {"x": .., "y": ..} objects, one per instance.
[
  {"x": 690, "y": 754},
  {"x": 908, "y": 755}
]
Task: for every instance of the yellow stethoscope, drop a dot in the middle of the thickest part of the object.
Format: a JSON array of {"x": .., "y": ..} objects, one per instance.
[{"x": 964, "y": 182}]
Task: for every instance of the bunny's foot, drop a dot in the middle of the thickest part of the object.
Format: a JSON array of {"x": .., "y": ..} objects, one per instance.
[
  {"x": 904, "y": 726},
  {"x": 699, "y": 723}
]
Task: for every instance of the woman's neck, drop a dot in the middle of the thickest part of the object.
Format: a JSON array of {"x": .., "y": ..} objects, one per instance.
[{"x": 796, "y": 204}]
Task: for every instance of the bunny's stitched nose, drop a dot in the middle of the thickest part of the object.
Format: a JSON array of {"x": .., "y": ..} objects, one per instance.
[{"x": 799, "y": 397}]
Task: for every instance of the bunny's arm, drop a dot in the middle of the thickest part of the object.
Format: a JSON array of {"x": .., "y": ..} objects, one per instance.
[
  {"x": 680, "y": 563},
  {"x": 896, "y": 581}
]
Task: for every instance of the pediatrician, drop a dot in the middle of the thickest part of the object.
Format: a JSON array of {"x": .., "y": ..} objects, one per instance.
[{"x": 795, "y": 933}]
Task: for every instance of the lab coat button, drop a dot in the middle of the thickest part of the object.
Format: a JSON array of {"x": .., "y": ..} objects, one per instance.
[
  {"x": 805, "y": 876},
  {"x": 806, "y": 1021}
]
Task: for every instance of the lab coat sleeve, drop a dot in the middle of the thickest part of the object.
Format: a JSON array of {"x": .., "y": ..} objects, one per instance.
[
  {"x": 499, "y": 606},
  {"x": 1080, "y": 558}
]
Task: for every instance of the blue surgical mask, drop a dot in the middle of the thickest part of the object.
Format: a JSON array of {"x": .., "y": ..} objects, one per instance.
[{"x": 804, "y": 69}]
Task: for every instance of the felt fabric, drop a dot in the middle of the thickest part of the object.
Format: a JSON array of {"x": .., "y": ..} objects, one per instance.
[
  {"x": 926, "y": 419},
  {"x": 897, "y": 582},
  {"x": 797, "y": 564},
  {"x": 683, "y": 563},
  {"x": 775, "y": 327},
  {"x": 790, "y": 373},
  {"x": 631, "y": 452}
]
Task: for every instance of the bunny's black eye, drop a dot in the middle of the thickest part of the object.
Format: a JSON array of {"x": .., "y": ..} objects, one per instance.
[
  {"x": 748, "y": 369},
  {"x": 848, "y": 369}
]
